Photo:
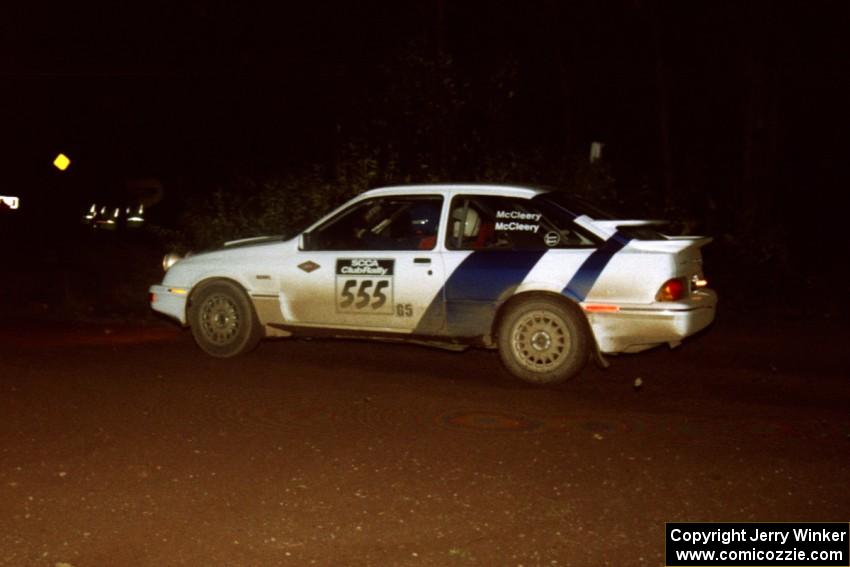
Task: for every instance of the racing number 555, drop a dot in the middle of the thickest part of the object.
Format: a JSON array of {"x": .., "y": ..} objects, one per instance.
[
  {"x": 370, "y": 293},
  {"x": 364, "y": 285}
]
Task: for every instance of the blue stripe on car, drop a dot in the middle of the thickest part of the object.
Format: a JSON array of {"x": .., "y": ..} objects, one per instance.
[
  {"x": 475, "y": 289},
  {"x": 582, "y": 282}
]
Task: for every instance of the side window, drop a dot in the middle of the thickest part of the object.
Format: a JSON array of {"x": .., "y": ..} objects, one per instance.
[
  {"x": 480, "y": 222},
  {"x": 383, "y": 223}
]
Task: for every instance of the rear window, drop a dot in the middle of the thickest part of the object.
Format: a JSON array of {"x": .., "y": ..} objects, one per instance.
[{"x": 576, "y": 206}]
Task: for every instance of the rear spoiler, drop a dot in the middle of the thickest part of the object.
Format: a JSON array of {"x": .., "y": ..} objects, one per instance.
[
  {"x": 666, "y": 244},
  {"x": 607, "y": 228},
  {"x": 618, "y": 223},
  {"x": 670, "y": 243}
]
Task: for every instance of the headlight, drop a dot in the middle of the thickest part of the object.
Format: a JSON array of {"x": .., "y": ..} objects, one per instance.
[{"x": 170, "y": 259}]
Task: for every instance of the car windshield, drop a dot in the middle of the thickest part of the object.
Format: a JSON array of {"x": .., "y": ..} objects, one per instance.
[{"x": 385, "y": 223}]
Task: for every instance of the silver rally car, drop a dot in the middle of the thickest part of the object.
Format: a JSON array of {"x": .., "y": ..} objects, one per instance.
[{"x": 547, "y": 280}]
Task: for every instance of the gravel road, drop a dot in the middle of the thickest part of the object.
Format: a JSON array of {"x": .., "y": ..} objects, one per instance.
[{"x": 125, "y": 445}]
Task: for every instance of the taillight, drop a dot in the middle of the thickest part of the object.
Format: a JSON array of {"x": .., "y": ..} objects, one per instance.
[
  {"x": 672, "y": 290},
  {"x": 152, "y": 297}
]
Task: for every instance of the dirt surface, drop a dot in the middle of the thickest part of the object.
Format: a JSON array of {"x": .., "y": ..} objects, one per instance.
[{"x": 127, "y": 446}]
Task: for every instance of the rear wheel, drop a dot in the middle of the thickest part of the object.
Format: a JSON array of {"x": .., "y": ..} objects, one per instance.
[
  {"x": 223, "y": 320},
  {"x": 543, "y": 340}
]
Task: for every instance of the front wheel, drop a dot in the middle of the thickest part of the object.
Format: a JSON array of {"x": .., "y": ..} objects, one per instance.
[
  {"x": 223, "y": 320},
  {"x": 543, "y": 341}
]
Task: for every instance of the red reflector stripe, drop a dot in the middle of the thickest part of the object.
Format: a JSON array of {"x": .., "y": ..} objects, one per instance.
[{"x": 599, "y": 308}]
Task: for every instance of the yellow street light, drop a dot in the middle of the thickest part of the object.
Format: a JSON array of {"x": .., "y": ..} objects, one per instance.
[{"x": 61, "y": 162}]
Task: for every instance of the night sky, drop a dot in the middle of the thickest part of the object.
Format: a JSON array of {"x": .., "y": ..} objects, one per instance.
[{"x": 729, "y": 105}]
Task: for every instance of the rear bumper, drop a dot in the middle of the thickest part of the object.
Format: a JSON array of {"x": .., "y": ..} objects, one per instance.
[
  {"x": 637, "y": 328},
  {"x": 169, "y": 301}
]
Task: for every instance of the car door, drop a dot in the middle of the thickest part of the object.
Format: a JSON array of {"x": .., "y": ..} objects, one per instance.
[
  {"x": 374, "y": 267},
  {"x": 496, "y": 245}
]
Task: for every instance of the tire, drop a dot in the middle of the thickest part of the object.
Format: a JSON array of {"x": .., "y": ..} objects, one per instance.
[
  {"x": 223, "y": 320},
  {"x": 543, "y": 340}
]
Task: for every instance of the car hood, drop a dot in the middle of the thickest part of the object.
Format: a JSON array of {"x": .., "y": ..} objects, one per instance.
[
  {"x": 232, "y": 261},
  {"x": 253, "y": 241},
  {"x": 242, "y": 249}
]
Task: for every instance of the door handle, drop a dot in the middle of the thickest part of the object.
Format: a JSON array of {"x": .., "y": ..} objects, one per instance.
[{"x": 422, "y": 260}]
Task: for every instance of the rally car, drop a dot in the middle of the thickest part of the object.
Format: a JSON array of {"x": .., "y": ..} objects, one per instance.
[{"x": 545, "y": 279}]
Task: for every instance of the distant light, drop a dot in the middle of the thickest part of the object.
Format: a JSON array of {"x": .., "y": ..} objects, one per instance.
[
  {"x": 11, "y": 202},
  {"x": 92, "y": 212},
  {"x": 62, "y": 162},
  {"x": 596, "y": 151},
  {"x": 137, "y": 219}
]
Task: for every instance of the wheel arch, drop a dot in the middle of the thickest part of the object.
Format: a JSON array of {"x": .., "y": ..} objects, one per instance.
[
  {"x": 542, "y": 294},
  {"x": 211, "y": 280},
  {"x": 233, "y": 327}
]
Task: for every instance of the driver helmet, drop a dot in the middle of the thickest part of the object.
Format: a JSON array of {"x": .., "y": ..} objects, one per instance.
[{"x": 469, "y": 225}]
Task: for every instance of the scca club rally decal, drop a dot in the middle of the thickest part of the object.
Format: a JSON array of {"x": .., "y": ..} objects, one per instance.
[{"x": 364, "y": 286}]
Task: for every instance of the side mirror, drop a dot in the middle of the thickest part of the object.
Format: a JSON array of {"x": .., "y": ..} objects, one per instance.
[{"x": 306, "y": 241}]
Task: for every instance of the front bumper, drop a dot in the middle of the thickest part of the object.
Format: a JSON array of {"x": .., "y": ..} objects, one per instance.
[
  {"x": 170, "y": 301},
  {"x": 637, "y": 328}
]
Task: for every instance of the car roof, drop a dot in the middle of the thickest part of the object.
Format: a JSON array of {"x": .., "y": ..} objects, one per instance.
[{"x": 453, "y": 188}]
